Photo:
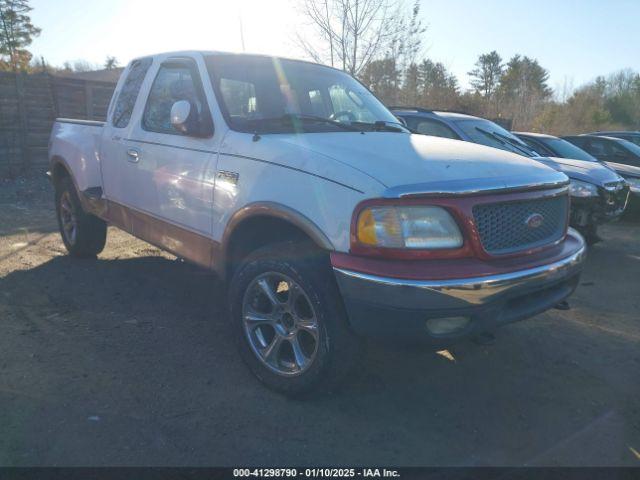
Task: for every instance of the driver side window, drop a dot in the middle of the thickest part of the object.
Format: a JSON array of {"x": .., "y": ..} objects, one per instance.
[{"x": 172, "y": 83}]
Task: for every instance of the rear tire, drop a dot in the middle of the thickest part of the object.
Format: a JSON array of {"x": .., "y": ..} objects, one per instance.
[
  {"x": 84, "y": 235},
  {"x": 289, "y": 321}
]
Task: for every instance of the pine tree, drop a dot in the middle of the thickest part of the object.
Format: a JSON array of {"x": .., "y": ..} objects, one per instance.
[
  {"x": 485, "y": 78},
  {"x": 111, "y": 63},
  {"x": 523, "y": 90},
  {"x": 16, "y": 33}
]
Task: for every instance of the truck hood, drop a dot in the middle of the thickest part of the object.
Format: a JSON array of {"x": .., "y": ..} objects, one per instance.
[
  {"x": 405, "y": 161},
  {"x": 592, "y": 172}
]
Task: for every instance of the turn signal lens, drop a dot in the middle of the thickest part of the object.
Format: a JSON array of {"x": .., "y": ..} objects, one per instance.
[{"x": 367, "y": 228}]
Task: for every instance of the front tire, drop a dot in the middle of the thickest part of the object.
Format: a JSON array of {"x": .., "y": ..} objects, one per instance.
[
  {"x": 289, "y": 321},
  {"x": 590, "y": 234},
  {"x": 84, "y": 235}
]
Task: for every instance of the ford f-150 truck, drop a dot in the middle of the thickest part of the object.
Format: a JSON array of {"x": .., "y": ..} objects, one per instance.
[{"x": 328, "y": 218}]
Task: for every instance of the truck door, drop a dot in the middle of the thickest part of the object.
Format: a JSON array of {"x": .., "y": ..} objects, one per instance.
[
  {"x": 117, "y": 159},
  {"x": 174, "y": 172}
]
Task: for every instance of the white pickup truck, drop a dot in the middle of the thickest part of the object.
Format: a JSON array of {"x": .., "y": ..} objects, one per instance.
[{"x": 329, "y": 220}]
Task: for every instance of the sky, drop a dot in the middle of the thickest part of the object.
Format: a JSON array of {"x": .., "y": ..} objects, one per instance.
[{"x": 576, "y": 40}]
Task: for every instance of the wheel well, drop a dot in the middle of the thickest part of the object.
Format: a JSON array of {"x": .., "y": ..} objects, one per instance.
[
  {"x": 58, "y": 172},
  {"x": 259, "y": 231}
]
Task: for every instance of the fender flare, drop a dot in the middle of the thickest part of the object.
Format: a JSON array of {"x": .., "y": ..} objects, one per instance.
[
  {"x": 273, "y": 210},
  {"x": 87, "y": 206},
  {"x": 56, "y": 161}
]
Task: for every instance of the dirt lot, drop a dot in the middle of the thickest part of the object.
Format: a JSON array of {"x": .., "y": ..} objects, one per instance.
[{"x": 127, "y": 360}]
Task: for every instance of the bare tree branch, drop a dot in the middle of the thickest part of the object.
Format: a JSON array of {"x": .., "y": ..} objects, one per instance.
[{"x": 356, "y": 32}]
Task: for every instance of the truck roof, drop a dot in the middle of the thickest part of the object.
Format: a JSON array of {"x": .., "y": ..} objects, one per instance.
[
  {"x": 440, "y": 113},
  {"x": 535, "y": 135},
  {"x": 183, "y": 53}
]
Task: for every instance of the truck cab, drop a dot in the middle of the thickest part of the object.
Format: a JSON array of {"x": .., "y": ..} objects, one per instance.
[{"x": 326, "y": 217}]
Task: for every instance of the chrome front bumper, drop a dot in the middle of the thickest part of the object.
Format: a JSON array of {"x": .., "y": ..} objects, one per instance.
[{"x": 388, "y": 306}]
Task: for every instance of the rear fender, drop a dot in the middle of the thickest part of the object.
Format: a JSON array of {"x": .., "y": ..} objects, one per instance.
[{"x": 76, "y": 147}]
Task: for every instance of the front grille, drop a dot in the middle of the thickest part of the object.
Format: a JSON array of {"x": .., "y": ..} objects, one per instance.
[{"x": 505, "y": 227}]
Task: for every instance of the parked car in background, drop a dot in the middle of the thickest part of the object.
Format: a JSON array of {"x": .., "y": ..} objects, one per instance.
[
  {"x": 551, "y": 146},
  {"x": 608, "y": 149},
  {"x": 328, "y": 219},
  {"x": 598, "y": 194},
  {"x": 633, "y": 137},
  {"x": 558, "y": 147}
]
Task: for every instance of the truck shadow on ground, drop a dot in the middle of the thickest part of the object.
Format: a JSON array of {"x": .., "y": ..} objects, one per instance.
[{"x": 144, "y": 344}]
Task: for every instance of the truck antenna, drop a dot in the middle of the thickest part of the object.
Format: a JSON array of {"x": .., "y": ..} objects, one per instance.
[{"x": 241, "y": 31}]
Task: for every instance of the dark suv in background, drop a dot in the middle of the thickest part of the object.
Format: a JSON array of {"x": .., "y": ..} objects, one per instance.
[
  {"x": 633, "y": 137},
  {"x": 608, "y": 149},
  {"x": 598, "y": 194},
  {"x": 559, "y": 147}
]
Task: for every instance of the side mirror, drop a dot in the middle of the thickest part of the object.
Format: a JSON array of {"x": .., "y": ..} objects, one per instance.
[{"x": 184, "y": 118}]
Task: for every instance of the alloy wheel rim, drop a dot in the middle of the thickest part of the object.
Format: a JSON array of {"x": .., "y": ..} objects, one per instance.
[
  {"x": 280, "y": 324},
  {"x": 68, "y": 218}
]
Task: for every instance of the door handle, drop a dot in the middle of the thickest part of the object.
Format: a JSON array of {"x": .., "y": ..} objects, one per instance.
[{"x": 134, "y": 155}]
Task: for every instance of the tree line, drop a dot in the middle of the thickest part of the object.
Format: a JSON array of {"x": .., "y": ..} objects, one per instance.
[
  {"x": 380, "y": 42},
  {"x": 516, "y": 91}
]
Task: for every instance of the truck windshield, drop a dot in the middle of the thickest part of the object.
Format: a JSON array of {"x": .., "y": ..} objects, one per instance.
[
  {"x": 565, "y": 149},
  {"x": 490, "y": 134},
  {"x": 270, "y": 95},
  {"x": 630, "y": 146}
]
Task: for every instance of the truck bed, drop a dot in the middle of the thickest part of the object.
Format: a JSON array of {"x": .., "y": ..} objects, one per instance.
[{"x": 77, "y": 143}]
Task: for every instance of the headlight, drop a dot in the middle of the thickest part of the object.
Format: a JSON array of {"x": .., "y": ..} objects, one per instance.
[
  {"x": 413, "y": 227},
  {"x": 582, "y": 189},
  {"x": 634, "y": 184}
]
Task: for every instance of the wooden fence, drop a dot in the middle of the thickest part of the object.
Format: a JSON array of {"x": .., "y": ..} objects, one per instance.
[{"x": 29, "y": 103}]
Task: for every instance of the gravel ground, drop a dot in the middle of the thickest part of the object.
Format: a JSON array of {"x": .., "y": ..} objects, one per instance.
[{"x": 128, "y": 360}]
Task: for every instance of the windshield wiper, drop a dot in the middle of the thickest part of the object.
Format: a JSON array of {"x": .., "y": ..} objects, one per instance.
[
  {"x": 499, "y": 138},
  {"x": 384, "y": 125},
  {"x": 295, "y": 117},
  {"x": 523, "y": 148}
]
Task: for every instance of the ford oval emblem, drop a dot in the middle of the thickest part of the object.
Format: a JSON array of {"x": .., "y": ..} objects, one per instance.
[{"x": 534, "y": 220}]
